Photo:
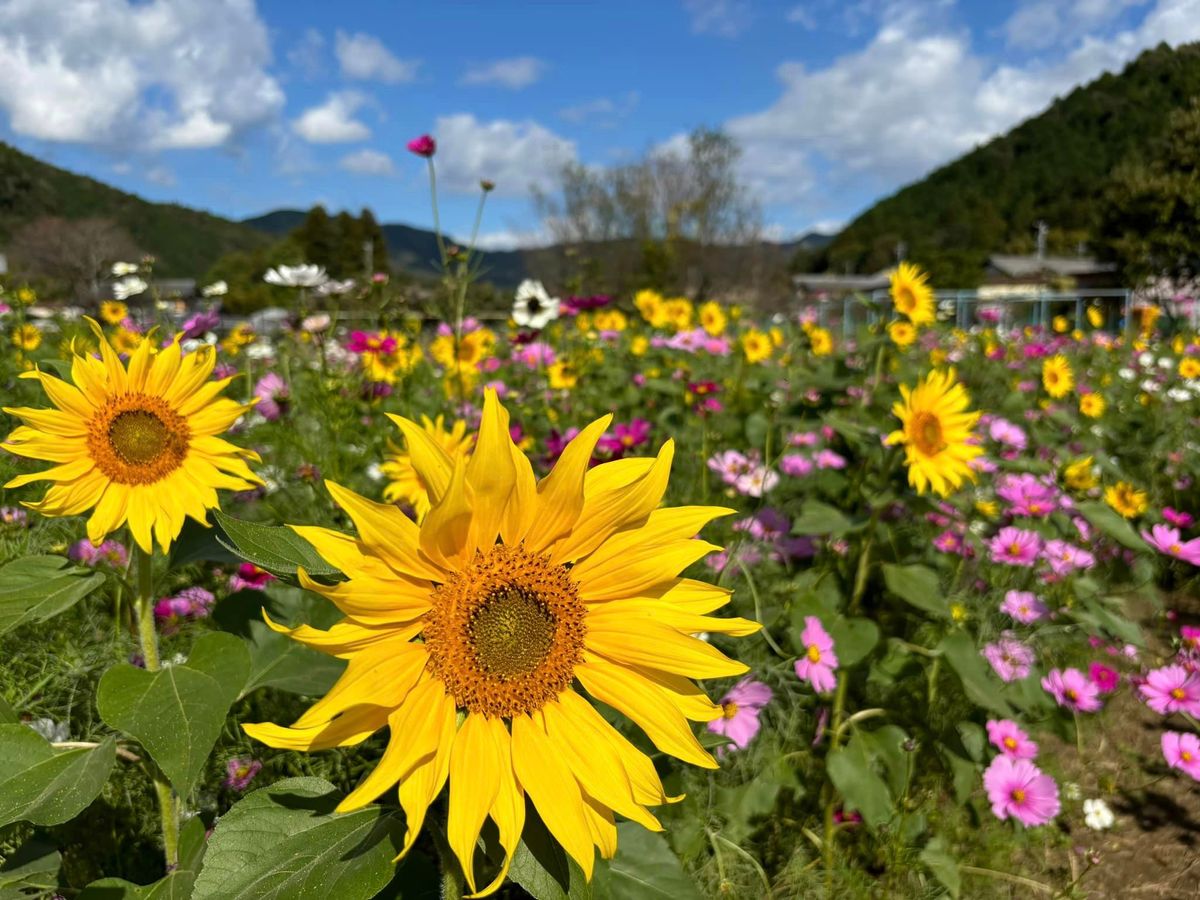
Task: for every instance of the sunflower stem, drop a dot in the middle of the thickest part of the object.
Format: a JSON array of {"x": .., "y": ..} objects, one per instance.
[{"x": 148, "y": 638}]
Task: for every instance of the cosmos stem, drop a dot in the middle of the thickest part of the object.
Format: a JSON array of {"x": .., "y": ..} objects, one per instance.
[{"x": 148, "y": 638}]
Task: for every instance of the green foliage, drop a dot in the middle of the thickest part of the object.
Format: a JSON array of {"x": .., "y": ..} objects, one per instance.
[
  {"x": 1052, "y": 167},
  {"x": 44, "y": 786},
  {"x": 35, "y": 588}
]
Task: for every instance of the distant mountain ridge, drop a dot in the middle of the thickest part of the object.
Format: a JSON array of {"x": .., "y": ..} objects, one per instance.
[{"x": 1052, "y": 168}]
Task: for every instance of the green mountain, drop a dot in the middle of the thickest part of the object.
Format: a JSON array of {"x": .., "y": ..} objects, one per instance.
[
  {"x": 184, "y": 241},
  {"x": 1053, "y": 168}
]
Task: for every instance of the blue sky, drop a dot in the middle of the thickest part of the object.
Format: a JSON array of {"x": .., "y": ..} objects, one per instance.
[{"x": 241, "y": 107}]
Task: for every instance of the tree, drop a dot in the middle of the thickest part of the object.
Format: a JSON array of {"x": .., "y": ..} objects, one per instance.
[
  {"x": 1150, "y": 222},
  {"x": 316, "y": 238},
  {"x": 76, "y": 254},
  {"x": 370, "y": 231}
]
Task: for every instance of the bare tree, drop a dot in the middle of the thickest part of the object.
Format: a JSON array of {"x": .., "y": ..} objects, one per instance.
[{"x": 77, "y": 253}]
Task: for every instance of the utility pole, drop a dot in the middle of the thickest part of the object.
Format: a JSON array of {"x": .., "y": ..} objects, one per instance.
[
  {"x": 369, "y": 259},
  {"x": 901, "y": 251},
  {"x": 1042, "y": 231}
]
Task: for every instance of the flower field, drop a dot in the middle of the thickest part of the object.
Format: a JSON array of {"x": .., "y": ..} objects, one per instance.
[{"x": 618, "y": 597}]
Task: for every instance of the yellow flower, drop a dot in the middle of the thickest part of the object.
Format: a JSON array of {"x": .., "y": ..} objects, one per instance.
[
  {"x": 610, "y": 320},
  {"x": 1080, "y": 475},
  {"x": 712, "y": 318},
  {"x": 902, "y": 333},
  {"x": 1179, "y": 343},
  {"x": 583, "y": 323},
  {"x": 1092, "y": 405},
  {"x": 1189, "y": 367},
  {"x": 473, "y": 348},
  {"x": 937, "y": 357},
  {"x": 1126, "y": 499},
  {"x": 1057, "y": 377},
  {"x": 125, "y": 341},
  {"x": 137, "y": 444},
  {"x": 639, "y": 345},
  {"x": 988, "y": 508},
  {"x": 386, "y": 366},
  {"x": 1095, "y": 316},
  {"x": 26, "y": 296},
  {"x": 958, "y": 612},
  {"x": 822, "y": 341},
  {"x": 677, "y": 313},
  {"x": 936, "y": 427},
  {"x": 474, "y": 636},
  {"x": 1061, "y": 324},
  {"x": 239, "y": 336},
  {"x": 756, "y": 346},
  {"x": 1146, "y": 317},
  {"x": 649, "y": 303},
  {"x": 404, "y": 481},
  {"x": 113, "y": 312},
  {"x": 911, "y": 294},
  {"x": 562, "y": 375},
  {"x": 27, "y": 337}
]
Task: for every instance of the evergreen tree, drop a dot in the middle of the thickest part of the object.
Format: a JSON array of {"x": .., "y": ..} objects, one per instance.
[{"x": 317, "y": 238}]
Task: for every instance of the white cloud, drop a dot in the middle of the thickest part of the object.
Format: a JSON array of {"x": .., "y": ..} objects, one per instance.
[
  {"x": 723, "y": 18},
  {"x": 368, "y": 162},
  {"x": 308, "y": 54},
  {"x": 161, "y": 176},
  {"x": 515, "y": 155},
  {"x": 514, "y": 73},
  {"x": 914, "y": 98},
  {"x": 513, "y": 239},
  {"x": 185, "y": 73},
  {"x": 802, "y": 16},
  {"x": 365, "y": 57},
  {"x": 603, "y": 111},
  {"x": 1037, "y": 24},
  {"x": 333, "y": 121}
]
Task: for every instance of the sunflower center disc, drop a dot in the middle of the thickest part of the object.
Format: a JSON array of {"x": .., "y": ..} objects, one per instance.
[
  {"x": 505, "y": 632},
  {"x": 138, "y": 437},
  {"x": 512, "y": 631},
  {"x": 927, "y": 433}
]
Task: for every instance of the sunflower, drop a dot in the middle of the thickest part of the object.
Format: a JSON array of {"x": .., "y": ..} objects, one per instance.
[
  {"x": 1080, "y": 475},
  {"x": 822, "y": 341},
  {"x": 473, "y": 636},
  {"x": 113, "y": 312},
  {"x": 912, "y": 295},
  {"x": 404, "y": 482},
  {"x": 1061, "y": 324},
  {"x": 1092, "y": 405},
  {"x": 902, "y": 333},
  {"x": 137, "y": 444},
  {"x": 1126, "y": 499},
  {"x": 712, "y": 318},
  {"x": 562, "y": 375},
  {"x": 1189, "y": 368},
  {"x": 935, "y": 433},
  {"x": 27, "y": 337},
  {"x": 1095, "y": 316},
  {"x": 756, "y": 346},
  {"x": 1057, "y": 377}
]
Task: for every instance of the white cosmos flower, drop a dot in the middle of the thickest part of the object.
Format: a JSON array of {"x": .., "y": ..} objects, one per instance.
[
  {"x": 375, "y": 472},
  {"x": 1127, "y": 374},
  {"x": 1150, "y": 386},
  {"x": 216, "y": 289},
  {"x": 316, "y": 323},
  {"x": 1097, "y": 816},
  {"x": 1179, "y": 395},
  {"x": 305, "y": 275},
  {"x": 533, "y": 307},
  {"x": 1165, "y": 363},
  {"x": 260, "y": 350},
  {"x": 336, "y": 287},
  {"x": 1146, "y": 360},
  {"x": 121, "y": 269},
  {"x": 128, "y": 287}
]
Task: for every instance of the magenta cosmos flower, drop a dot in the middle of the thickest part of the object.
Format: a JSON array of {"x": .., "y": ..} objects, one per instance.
[
  {"x": 424, "y": 146},
  {"x": 1015, "y": 547},
  {"x": 1007, "y": 737},
  {"x": 1182, "y": 751},
  {"x": 817, "y": 664},
  {"x": 1024, "y": 607},
  {"x": 273, "y": 396},
  {"x": 1177, "y": 518},
  {"x": 1172, "y": 689},
  {"x": 739, "y": 712},
  {"x": 1064, "y": 557},
  {"x": 1009, "y": 658},
  {"x": 625, "y": 437},
  {"x": 1072, "y": 689},
  {"x": 1166, "y": 540},
  {"x": 240, "y": 772},
  {"x": 1018, "y": 788},
  {"x": 250, "y": 577},
  {"x": 1105, "y": 679}
]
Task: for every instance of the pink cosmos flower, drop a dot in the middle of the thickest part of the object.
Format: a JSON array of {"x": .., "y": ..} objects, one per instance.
[
  {"x": 819, "y": 661},
  {"x": 273, "y": 395},
  {"x": 1105, "y": 679},
  {"x": 1005, "y": 432},
  {"x": 1166, "y": 540},
  {"x": 804, "y": 439},
  {"x": 1015, "y": 547},
  {"x": 1009, "y": 658},
  {"x": 250, "y": 577},
  {"x": 424, "y": 146},
  {"x": 109, "y": 553},
  {"x": 1065, "y": 558},
  {"x": 1024, "y": 607},
  {"x": 1177, "y": 518},
  {"x": 370, "y": 342},
  {"x": 1007, "y": 737},
  {"x": 625, "y": 437},
  {"x": 240, "y": 772},
  {"x": 827, "y": 459},
  {"x": 730, "y": 465},
  {"x": 1027, "y": 495},
  {"x": 1072, "y": 689},
  {"x": 795, "y": 465},
  {"x": 1182, "y": 751},
  {"x": 739, "y": 712},
  {"x": 1172, "y": 689},
  {"x": 1018, "y": 788},
  {"x": 1189, "y": 637},
  {"x": 198, "y": 324},
  {"x": 758, "y": 481}
]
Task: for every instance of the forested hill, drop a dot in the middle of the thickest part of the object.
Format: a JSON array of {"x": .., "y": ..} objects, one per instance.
[
  {"x": 185, "y": 242},
  {"x": 1053, "y": 167}
]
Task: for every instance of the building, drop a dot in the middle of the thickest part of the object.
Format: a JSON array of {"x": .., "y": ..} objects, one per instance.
[{"x": 1029, "y": 274}]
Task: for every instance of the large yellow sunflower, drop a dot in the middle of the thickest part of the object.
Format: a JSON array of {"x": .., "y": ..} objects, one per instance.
[
  {"x": 936, "y": 428},
  {"x": 473, "y": 635},
  {"x": 405, "y": 484},
  {"x": 1057, "y": 377},
  {"x": 139, "y": 445},
  {"x": 911, "y": 294}
]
